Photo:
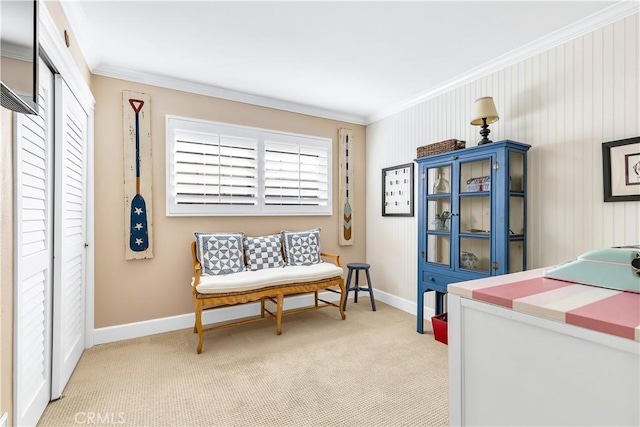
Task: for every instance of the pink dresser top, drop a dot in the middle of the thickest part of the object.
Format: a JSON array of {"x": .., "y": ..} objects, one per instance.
[{"x": 605, "y": 310}]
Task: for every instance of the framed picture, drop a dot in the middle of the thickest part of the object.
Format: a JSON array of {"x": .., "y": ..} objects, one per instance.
[
  {"x": 397, "y": 190},
  {"x": 621, "y": 170}
]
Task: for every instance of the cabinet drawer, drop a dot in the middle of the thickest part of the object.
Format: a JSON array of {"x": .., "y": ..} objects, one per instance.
[{"x": 437, "y": 282}]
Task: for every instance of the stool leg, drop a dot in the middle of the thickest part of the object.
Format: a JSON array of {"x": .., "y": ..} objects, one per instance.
[
  {"x": 373, "y": 301},
  {"x": 357, "y": 287},
  {"x": 348, "y": 288}
]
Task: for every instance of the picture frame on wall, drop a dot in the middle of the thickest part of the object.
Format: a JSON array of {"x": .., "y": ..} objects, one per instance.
[
  {"x": 397, "y": 190},
  {"x": 621, "y": 170}
]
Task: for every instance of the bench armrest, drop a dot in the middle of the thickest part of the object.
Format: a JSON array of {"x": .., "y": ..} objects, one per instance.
[
  {"x": 336, "y": 258},
  {"x": 196, "y": 265}
]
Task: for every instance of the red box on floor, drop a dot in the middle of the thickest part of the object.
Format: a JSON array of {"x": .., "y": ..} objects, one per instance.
[{"x": 439, "y": 324}]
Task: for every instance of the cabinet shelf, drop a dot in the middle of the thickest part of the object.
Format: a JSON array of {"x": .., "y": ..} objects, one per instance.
[
  {"x": 477, "y": 241},
  {"x": 475, "y": 235},
  {"x": 439, "y": 232},
  {"x": 476, "y": 194}
]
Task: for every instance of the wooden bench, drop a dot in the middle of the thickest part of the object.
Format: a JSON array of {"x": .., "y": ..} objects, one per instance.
[{"x": 265, "y": 285}]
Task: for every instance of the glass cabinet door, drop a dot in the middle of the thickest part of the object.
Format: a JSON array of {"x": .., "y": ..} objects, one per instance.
[
  {"x": 516, "y": 212},
  {"x": 475, "y": 215},
  {"x": 438, "y": 214}
]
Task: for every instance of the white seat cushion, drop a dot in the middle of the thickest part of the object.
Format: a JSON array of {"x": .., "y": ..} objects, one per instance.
[{"x": 250, "y": 280}]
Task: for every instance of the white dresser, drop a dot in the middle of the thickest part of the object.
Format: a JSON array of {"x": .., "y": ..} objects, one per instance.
[{"x": 529, "y": 350}]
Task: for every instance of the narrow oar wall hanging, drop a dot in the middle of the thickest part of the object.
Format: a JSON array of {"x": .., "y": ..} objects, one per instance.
[
  {"x": 138, "y": 204},
  {"x": 346, "y": 203}
]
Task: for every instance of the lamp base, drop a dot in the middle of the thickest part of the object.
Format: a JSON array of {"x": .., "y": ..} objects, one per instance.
[{"x": 484, "y": 132}]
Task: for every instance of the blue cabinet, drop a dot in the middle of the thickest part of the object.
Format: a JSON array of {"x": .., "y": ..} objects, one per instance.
[{"x": 472, "y": 221}]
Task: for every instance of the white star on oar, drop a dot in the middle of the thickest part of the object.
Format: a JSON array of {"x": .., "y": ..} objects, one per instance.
[
  {"x": 138, "y": 211},
  {"x": 138, "y": 226},
  {"x": 139, "y": 242}
]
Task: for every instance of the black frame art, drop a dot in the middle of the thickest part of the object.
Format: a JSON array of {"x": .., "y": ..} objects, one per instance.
[
  {"x": 397, "y": 190},
  {"x": 621, "y": 170}
]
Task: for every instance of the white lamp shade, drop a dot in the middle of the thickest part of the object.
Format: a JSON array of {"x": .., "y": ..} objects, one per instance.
[{"x": 484, "y": 108}]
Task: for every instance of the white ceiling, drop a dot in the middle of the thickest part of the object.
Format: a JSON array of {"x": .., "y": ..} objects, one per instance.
[{"x": 355, "y": 61}]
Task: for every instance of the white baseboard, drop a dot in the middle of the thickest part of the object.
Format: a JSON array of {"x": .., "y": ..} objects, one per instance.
[
  {"x": 183, "y": 321},
  {"x": 402, "y": 304}
]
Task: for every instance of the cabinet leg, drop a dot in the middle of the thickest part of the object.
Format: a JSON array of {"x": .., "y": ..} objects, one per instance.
[
  {"x": 420, "y": 314},
  {"x": 439, "y": 302}
]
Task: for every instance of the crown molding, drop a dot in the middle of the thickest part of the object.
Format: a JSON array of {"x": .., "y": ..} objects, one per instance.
[
  {"x": 591, "y": 23},
  {"x": 218, "y": 92}
]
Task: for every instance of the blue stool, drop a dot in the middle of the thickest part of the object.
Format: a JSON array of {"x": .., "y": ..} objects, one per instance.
[{"x": 357, "y": 266}]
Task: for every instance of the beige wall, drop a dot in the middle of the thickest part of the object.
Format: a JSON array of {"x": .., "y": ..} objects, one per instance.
[{"x": 137, "y": 290}]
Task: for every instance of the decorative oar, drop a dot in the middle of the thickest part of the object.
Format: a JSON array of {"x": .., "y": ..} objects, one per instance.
[
  {"x": 138, "y": 232},
  {"x": 347, "y": 207}
]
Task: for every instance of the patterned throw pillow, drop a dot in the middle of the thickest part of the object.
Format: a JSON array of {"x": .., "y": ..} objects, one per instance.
[
  {"x": 263, "y": 252},
  {"x": 302, "y": 247},
  {"x": 220, "y": 253}
]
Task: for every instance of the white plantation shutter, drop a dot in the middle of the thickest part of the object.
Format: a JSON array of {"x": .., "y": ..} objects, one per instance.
[
  {"x": 295, "y": 174},
  {"x": 215, "y": 170},
  {"x": 220, "y": 169}
]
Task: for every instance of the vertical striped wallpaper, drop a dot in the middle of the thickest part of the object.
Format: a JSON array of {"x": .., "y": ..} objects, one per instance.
[{"x": 565, "y": 103}]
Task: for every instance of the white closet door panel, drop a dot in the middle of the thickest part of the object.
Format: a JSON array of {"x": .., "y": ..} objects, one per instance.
[
  {"x": 34, "y": 257},
  {"x": 70, "y": 236}
]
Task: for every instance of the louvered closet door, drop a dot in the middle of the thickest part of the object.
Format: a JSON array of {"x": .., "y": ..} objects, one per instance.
[
  {"x": 70, "y": 236},
  {"x": 33, "y": 256}
]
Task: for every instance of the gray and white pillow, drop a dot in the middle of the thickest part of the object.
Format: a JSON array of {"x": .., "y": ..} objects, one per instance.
[
  {"x": 263, "y": 252},
  {"x": 301, "y": 247},
  {"x": 220, "y": 253}
]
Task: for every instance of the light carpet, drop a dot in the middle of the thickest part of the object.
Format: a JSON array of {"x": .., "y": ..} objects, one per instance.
[{"x": 371, "y": 369}]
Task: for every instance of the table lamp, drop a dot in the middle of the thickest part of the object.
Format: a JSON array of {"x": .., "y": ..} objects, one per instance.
[{"x": 483, "y": 114}]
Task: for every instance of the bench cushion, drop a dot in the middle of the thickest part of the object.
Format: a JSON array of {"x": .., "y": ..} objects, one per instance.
[{"x": 251, "y": 280}]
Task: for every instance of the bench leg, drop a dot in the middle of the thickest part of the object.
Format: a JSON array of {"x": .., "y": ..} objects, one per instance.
[
  {"x": 316, "y": 297},
  {"x": 198, "y": 325},
  {"x": 262, "y": 306},
  {"x": 279, "y": 304}
]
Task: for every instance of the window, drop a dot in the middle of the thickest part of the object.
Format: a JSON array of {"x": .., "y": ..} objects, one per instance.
[{"x": 221, "y": 169}]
